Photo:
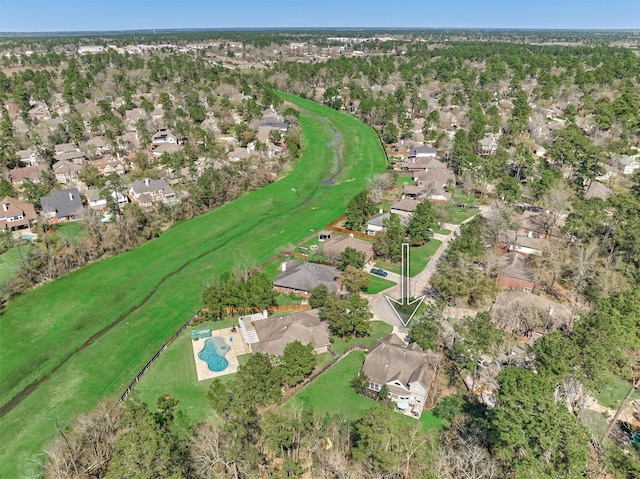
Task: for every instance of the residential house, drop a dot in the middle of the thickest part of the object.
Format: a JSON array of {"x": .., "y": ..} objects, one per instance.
[
  {"x": 129, "y": 141},
  {"x": 515, "y": 273},
  {"x": 488, "y": 145},
  {"x": 28, "y": 156},
  {"x": 375, "y": 223},
  {"x": 538, "y": 223},
  {"x": 94, "y": 200},
  {"x": 422, "y": 163},
  {"x": 39, "y": 112},
  {"x": 16, "y": 215},
  {"x": 525, "y": 244},
  {"x": 97, "y": 145},
  {"x": 238, "y": 154},
  {"x": 62, "y": 205},
  {"x": 597, "y": 190},
  {"x": 131, "y": 118},
  {"x": 109, "y": 165},
  {"x": 334, "y": 246},
  {"x": 424, "y": 151},
  {"x": 55, "y": 123},
  {"x": 517, "y": 311},
  {"x": 405, "y": 207},
  {"x": 626, "y": 164},
  {"x": 276, "y": 332},
  {"x": 163, "y": 135},
  {"x": 66, "y": 172},
  {"x": 433, "y": 182},
  {"x": 161, "y": 148},
  {"x": 19, "y": 175},
  {"x": 300, "y": 278},
  {"x": 407, "y": 370},
  {"x": 65, "y": 148},
  {"x": 73, "y": 156},
  {"x": 413, "y": 192},
  {"x": 275, "y": 124},
  {"x": 146, "y": 192}
]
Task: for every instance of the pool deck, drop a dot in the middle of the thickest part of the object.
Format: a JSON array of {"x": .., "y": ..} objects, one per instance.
[{"x": 238, "y": 348}]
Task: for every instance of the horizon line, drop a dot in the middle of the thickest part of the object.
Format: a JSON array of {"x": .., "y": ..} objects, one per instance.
[{"x": 634, "y": 30}]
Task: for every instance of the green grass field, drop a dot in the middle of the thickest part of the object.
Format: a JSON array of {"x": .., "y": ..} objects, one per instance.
[
  {"x": 613, "y": 392},
  {"x": 10, "y": 261},
  {"x": 331, "y": 394},
  {"x": 379, "y": 329},
  {"x": 378, "y": 284},
  {"x": 418, "y": 259},
  {"x": 156, "y": 287}
]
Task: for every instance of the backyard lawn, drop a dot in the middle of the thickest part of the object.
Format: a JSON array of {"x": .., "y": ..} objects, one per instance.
[
  {"x": 87, "y": 334},
  {"x": 614, "y": 391},
  {"x": 174, "y": 373},
  {"x": 379, "y": 329},
  {"x": 418, "y": 259},
  {"x": 331, "y": 394}
]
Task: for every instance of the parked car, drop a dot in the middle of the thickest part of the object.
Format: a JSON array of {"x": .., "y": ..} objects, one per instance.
[{"x": 379, "y": 272}]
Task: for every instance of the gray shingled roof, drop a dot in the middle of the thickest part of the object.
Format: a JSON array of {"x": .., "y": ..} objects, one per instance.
[
  {"x": 306, "y": 276},
  {"x": 423, "y": 150},
  {"x": 514, "y": 265},
  {"x": 64, "y": 203},
  {"x": 275, "y": 333},
  {"x": 391, "y": 359}
]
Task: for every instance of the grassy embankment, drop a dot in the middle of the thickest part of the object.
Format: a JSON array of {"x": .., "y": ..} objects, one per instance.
[{"x": 155, "y": 288}]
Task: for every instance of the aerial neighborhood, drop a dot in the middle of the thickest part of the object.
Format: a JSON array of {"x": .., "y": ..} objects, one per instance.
[{"x": 320, "y": 254}]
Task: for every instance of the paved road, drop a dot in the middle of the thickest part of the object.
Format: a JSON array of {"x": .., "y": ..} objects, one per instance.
[{"x": 380, "y": 306}]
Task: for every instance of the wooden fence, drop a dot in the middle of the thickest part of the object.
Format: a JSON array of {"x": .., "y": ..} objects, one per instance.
[
  {"x": 155, "y": 357},
  {"x": 332, "y": 227},
  {"x": 289, "y": 393}
]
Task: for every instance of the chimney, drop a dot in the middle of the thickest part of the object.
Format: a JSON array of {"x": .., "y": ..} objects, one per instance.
[
  {"x": 5, "y": 206},
  {"x": 70, "y": 196},
  {"x": 283, "y": 266},
  {"x": 147, "y": 181},
  {"x": 380, "y": 211}
]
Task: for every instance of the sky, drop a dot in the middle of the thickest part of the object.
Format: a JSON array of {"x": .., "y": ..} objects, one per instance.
[{"x": 83, "y": 15}]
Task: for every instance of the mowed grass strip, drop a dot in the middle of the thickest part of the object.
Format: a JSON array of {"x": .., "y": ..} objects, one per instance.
[{"x": 163, "y": 280}]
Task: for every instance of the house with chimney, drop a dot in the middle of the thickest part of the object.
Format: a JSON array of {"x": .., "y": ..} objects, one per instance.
[
  {"x": 273, "y": 334},
  {"x": 62, "y": 205},
  {"x": 300, "y": 278},
  {"x": 16, "y": 215},
  {"x": 147, "y": 191},
  {"x": 406, "y": 370}
]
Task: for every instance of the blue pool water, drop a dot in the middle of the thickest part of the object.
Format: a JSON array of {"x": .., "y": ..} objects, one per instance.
[{"x": 213, "y": 354}]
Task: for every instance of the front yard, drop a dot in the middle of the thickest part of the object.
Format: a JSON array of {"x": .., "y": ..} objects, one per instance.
[{"x": 418, "y": 259}]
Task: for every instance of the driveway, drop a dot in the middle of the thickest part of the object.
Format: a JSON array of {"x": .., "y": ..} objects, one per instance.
[{"x": 380, "y": 306}]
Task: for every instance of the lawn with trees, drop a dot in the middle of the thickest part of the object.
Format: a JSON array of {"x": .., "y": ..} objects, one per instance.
[{"x": 136, "y": 300}]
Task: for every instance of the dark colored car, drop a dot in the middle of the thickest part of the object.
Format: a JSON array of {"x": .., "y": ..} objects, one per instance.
[{"x": 379, "y": 272}]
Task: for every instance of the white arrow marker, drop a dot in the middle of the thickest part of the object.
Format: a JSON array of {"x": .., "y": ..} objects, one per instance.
[{"x": 405, "y": 289}]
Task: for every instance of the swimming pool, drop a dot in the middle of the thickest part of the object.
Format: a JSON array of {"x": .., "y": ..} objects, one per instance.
[{"x": 213, "y": 353}]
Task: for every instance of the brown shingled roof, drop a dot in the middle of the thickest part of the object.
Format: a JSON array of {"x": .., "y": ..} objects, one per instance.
[{"x": 275, "y": 333}]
